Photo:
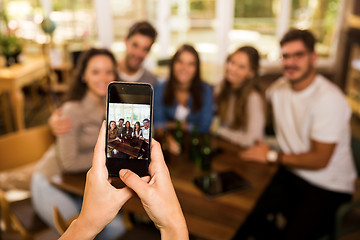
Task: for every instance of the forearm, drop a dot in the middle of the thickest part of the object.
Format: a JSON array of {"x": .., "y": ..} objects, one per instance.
[
  {"x": 72, "y": 160},
  {"x": 176, "y": 230},
  {"x": 316, "y": 158},
  {"x": 238, "y": 137},
  {"x": 77, "y": 230},
  {"x": 310, "y": 160}
]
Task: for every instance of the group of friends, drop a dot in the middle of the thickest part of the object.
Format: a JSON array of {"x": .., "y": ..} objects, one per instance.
[
  {"x": 311, "y": 121},
  {"x": 118, "y": 132}
]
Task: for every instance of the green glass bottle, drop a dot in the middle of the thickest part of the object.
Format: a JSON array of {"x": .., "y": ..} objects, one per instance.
[
  {"x": 206, "y": 154},
  {"x": 195, "y": 153},
  {"x": 179, "y": 135}
]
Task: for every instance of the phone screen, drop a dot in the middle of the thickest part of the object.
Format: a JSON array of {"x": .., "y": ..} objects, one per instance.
[{"x": 129, "y": 121}]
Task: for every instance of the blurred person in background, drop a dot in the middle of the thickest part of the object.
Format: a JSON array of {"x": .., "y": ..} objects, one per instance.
[
  {"x": 184, "y": 98},
  {"x": 317, "y": 172},
  {"x": 240, "y": 105},
  {"x": 138, "y": 43},
  {"x": 72, "y": 152}
]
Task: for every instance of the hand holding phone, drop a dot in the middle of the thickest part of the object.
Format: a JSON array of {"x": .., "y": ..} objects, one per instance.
[{"x": 129, "y": 121}]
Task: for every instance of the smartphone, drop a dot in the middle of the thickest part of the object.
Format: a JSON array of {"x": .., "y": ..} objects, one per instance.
[
  {"x": 215, "y": 184},
  {"x": 129, "y": 108}
]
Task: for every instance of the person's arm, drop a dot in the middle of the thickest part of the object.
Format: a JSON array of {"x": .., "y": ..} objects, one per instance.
[
  {"x": 59, "y": 124},
  {"x": 70, "y": 158},
  {"x": 207, "y": 110},
  {"x": 159, "y": 108},
  {"x": 317, "y": 158},
  {"x": 158, "y": 196},
  {"x": 255, "y": 127},
  {"x": 102, "y": 201}
]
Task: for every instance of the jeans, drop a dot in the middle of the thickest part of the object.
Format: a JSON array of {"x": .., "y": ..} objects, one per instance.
[{"x": 44, "y": 195}]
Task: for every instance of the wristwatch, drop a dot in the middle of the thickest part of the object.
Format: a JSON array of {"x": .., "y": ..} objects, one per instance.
[{"x": 272, "y": 156}]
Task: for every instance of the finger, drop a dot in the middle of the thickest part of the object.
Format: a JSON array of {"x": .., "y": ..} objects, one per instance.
[
  {"x": 124, "y": 194},
  {"x": 146, "y": 179},
  {"x": 133, "y": 181},
  {"x": 157, "y": 157},
  {"x": 99, "y": 151}
]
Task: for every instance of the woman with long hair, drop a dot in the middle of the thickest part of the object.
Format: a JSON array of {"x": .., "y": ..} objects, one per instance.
[
  {"x": 184, "y": 98},
  {"x": 127, "y": 130},
  {"x": 113, "y": 132},
  {"x": 73, "y": 151},
  {"x": 240, "y": 105},
  {"x": 137, "y": 132}
]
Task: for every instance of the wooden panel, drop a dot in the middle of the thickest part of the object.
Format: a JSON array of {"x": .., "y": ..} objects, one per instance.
[{"x": 24, "y": 147}]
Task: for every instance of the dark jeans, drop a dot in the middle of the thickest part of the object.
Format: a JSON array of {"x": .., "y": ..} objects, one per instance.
[{"x": 309, "y": 211}]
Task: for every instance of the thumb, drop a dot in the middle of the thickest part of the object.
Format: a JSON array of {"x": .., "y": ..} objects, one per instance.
[{"x": 133, "y": 181}]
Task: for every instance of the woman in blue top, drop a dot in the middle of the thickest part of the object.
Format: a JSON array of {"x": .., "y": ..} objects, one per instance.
[{"x": 184, "y": 98}]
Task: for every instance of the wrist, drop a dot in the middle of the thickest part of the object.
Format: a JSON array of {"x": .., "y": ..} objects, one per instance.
[
  {"x": 274, "y": 157},
  {"x": 77, "y": 230},
  {"x": 84, "y": 228},
  {"x": 175, "y": 231}
]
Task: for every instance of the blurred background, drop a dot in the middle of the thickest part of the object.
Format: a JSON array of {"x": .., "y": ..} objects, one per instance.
[{"x": 60, "y": 29}]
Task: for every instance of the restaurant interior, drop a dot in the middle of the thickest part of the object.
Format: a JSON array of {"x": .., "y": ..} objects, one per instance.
[{"x": 41, "y": 41}]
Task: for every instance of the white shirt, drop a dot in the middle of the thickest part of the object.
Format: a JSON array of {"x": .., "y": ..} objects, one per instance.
[
  {"x": 132, "y": 78},
  {"x": 319, "y": 112},
  {"x": 145, "y": 132},
  {"x": 181, "y": 113}
]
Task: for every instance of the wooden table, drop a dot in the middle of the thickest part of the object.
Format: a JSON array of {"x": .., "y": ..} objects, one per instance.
[
  {"x": 130, "y": 147},
  {"x": 13, "y": 78},
  {"x": 209, "y": 218}
]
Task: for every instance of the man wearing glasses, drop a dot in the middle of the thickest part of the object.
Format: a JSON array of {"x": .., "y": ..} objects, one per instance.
[{"x": 316, "y": 170}]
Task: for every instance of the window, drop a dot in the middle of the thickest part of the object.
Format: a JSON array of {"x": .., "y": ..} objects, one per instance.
[{"x": 257, "y": 22}]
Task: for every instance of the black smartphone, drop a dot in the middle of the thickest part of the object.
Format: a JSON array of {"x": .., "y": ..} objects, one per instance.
[
  {"x": 129, "y": 108},
  {"x": 215, "y": 184}
]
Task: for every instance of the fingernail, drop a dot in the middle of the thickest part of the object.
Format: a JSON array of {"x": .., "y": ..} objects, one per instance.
[{"x": 124, "y": 171}]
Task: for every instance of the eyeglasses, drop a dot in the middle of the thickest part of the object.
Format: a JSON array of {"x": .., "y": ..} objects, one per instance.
[{"x": 295, "y": 55}]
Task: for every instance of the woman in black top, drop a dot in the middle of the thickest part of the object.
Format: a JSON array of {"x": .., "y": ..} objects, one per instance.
[{"x": 127, "y": 131}]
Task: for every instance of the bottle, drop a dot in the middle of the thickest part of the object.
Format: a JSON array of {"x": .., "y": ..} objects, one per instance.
[
  {"x": 206, "y": 154},
  {"x": 179, "y": 135},
  {"x": 195, "y": 154}
]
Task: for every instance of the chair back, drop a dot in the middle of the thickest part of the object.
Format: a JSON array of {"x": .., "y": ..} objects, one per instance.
[
  {"x": 60, "y": 223},
  {"x": 24, "y": 147},
  {"x": 17, "y": 150}
]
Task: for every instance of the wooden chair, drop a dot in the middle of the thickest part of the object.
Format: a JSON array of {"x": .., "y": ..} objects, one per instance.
[
  {"x": 347, "y": 219},
  {"x": 5, "y": 110},
  {"x": 19, "y": 149},
  {"x": 60, "y": 223}
]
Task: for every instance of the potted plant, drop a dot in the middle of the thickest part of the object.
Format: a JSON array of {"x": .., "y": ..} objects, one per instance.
[{"x": 10, "y": 47}]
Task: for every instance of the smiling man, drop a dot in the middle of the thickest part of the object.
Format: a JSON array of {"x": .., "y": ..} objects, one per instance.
[
  {"x": 138, "y": 42},
  {"x": 312, "y": 125}
]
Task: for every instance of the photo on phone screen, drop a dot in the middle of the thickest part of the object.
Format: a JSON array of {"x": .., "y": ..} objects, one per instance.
[{"x": 129, "y": 121}]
